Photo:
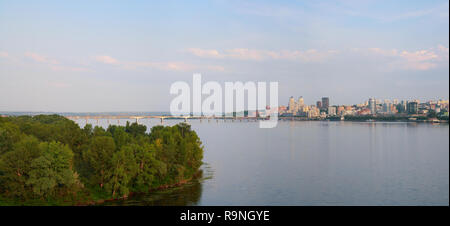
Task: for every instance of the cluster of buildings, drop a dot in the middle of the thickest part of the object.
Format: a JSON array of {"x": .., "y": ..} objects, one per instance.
[
  {"x": 299, "y": 108},
  {"x": 405, "y": 107},
  {"x": 323, "y": 109}
]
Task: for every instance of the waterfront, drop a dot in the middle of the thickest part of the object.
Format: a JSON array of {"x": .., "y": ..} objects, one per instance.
[{"x": 313, "y": 163}]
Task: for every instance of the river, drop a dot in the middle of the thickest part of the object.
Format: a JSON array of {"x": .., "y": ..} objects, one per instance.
[{"x": 312, "y": 163}]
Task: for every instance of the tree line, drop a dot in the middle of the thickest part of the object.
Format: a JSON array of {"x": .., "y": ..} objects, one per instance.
[{"x": 50, "y": 158}]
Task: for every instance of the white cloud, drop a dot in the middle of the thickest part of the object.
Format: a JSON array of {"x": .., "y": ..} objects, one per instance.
[
  {"x": 40, "y": 58},
  {"x": 310, "y": 55},
  {"x": 163, "y": 66},
  {"x": 172, "y": 66},
  {"x": 68, "y": 68},
  {"x": 414, "y": 60},
  {"x": 52, "y": 64},
  {"x": 205, "y": 52},
  {"x": 247, "y": 54},
  {"x": 392, "y": 58},
  {"x": 4, "y": 54},
  {"x": 106, "y": 59}
]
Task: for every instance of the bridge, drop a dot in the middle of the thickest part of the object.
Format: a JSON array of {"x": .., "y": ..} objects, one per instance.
[{"x": 163, "y": 117}]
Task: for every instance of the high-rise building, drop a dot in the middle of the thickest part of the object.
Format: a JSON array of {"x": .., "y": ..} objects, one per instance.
[
  {"x": 413, "y": 107},
  {"x": 372, "y": 106},
  {"x": 313, "y": 112},
  {"x": 340, "y": 110},
  {"x": 403, "y": 106},
  {"x": 301, "y": 102},
  {"x": 319, "y": 104},
  {"x": 331, "y": 111},
  {"x": 387, "y": 107},
  {"x": 291, "y": 106},
  {"x": 325, "y": 102}
]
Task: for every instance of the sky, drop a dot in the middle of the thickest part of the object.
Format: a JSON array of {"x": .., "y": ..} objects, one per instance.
[{"x": 97, "y": 56}]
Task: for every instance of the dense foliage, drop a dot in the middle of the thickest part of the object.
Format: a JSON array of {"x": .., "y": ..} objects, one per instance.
[{"x": 49, "y": 157}]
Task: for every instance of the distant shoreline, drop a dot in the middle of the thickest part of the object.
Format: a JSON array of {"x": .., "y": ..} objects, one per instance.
[
  {"x": 367, "y": 119},
  {"x": 124, "y": 115}
]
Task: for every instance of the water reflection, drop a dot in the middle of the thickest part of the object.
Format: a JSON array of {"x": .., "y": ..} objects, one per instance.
[{"x": 185, "y": 195}]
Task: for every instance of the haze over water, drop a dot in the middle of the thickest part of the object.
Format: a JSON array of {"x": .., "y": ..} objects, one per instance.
[{"x": 313, "y": 163}]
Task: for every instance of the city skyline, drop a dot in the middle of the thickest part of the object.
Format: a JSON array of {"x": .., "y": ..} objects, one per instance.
[
  {"x": 365, "y": 99},
  {"x": 111, "y": 56},
  {"x": 390, "y": 109}
]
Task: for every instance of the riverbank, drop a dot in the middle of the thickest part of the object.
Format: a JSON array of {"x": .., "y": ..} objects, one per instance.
[
  {"x": 369, "y": 119},
  {"x": 131, "y": 194},
  {"x": 89, "y": 200}
]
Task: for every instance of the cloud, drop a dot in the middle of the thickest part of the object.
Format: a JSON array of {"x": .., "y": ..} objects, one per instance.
[
  {"x": 205, "y": 52},
  {"x": 247, "y": 54},
  {"x": 414, "y": 60},
  {"x": 4, "y": 54},
  {"x": 392, "y": 58},
  {"x": 443, "y": 49},
  {"x": 40, "y": 59},
  {"x": 172, "y": 66},
  {"x": 68, "y": 68},
  {"x": 54, "y": 65},
  {"x": 310, "y": 55},
  {"x": 106, "y": 59},
  {"x": 163, "y": 66}
]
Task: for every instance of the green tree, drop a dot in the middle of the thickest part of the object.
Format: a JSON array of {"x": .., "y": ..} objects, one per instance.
[
  {"x": 148, "y": 168},
  {"x": 41, "y": 155},
  {"x": 88, "y": 130},
  {"x": 135, "y": 129},
  {"x": 15, "y": 167},
  {"x": 52, "y": 173},
  {"x": 119, "y": 135},
  {"x": 98, "y": 156},
  {"x": 9, "y": 134},
  {"x": 123, "y": 169}
]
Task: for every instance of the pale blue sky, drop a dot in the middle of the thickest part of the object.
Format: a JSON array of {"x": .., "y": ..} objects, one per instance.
[{"x": 123, "y": 56}]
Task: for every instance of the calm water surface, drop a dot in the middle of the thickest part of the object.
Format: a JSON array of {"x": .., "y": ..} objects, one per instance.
[{"x": 313, "y": 163}]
